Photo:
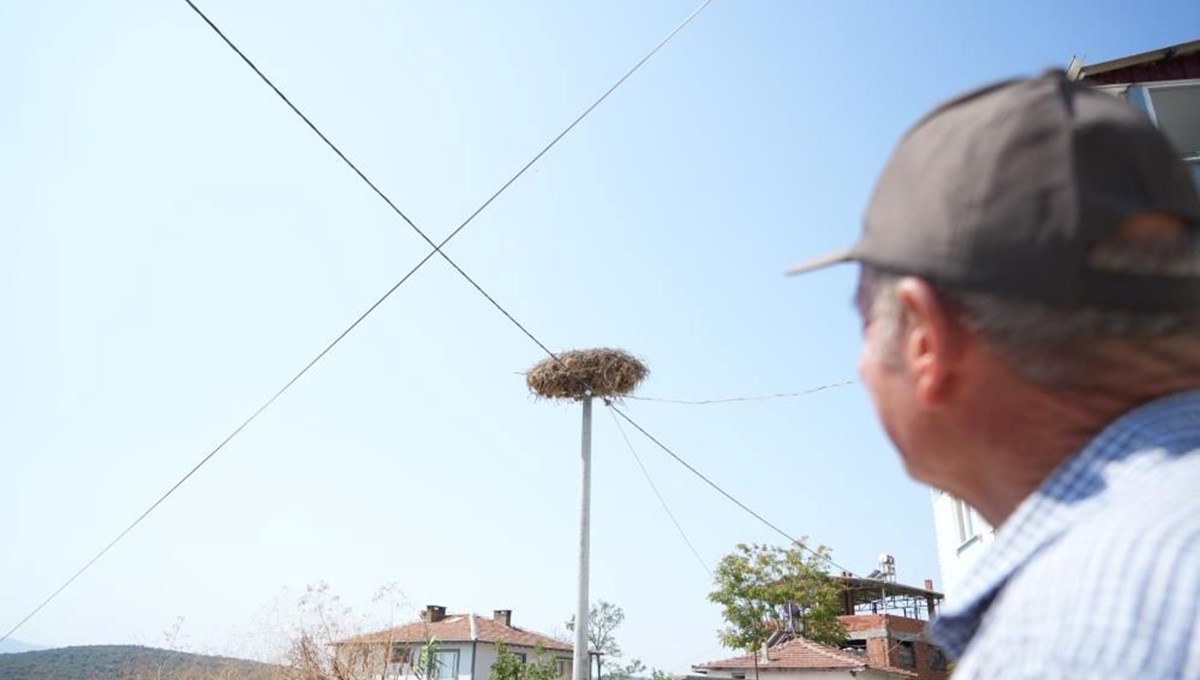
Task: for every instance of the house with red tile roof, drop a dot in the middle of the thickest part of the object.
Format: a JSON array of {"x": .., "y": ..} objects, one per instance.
[
  {"x": 465, "y": 648},
  {"x": 885, "y": 625},
  {"x": 798, "y": 658}
]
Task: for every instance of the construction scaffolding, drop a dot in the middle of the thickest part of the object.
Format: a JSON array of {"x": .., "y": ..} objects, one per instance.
[{"x": 862, "y": 596}]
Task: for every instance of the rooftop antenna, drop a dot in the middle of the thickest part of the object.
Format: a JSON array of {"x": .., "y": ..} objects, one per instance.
[
  {"x": 1074, "y": 68},
  {"x": 795, "y": 618},
  {"x": 887, "y": 568}
]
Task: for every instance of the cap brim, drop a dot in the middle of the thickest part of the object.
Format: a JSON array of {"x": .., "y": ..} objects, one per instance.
[{"x": 839, "y": 257}]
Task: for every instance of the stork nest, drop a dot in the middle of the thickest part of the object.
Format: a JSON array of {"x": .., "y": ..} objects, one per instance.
[{"x": 602, "y": 372}]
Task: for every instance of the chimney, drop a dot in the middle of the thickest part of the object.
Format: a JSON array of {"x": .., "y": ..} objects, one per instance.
[
  {"x": 928, "y": 584},
  {"x": 503, "y": 617},
  {"x": 434, "y": 613}
]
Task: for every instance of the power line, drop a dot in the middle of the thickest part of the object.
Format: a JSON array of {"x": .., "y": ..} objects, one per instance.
[
  {"x": 728, "y": 400},
  {"x": 654, "y": 488},
  {"x": 437, "y": 250},
  {"x": 725, "y": 493}
]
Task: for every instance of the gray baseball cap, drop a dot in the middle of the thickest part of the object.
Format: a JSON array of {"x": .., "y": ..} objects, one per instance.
[{"x": 1006, "y": 189}]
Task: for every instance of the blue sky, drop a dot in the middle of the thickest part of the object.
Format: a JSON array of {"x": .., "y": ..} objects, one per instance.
[{"x": 176, "y": 245}]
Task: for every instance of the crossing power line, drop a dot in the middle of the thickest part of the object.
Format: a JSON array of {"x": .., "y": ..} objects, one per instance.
[{"x": 436, "y": 250}]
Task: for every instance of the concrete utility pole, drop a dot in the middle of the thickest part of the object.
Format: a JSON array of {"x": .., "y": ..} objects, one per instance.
[{"x": 582, "y": 663}]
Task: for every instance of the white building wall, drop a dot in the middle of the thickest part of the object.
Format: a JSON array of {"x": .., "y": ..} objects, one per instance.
[
  {"x": 962, "y": 536},
  {"x": 487, "y": 657},
  {"x": 484, "y": 653}
]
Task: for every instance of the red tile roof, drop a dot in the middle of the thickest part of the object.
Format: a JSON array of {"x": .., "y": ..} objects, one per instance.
[
  {"x": 458, "y": 628},
  {"x": 801, "y": 653}
]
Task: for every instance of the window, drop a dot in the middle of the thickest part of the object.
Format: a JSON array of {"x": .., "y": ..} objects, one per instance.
[
  {"x": 1176, "y": 110},
  {"x": 357, "y": 654},
  {"x": 937, "y": 659},
  {"x": 905, "y": 655},
  {"x": 400, "y": 654},
  {"x": 564, "y": 667},
  {"x": 964, "y": 521},
  {"x": 444, "y": 665},
  {"x": 859, "y": 646}
]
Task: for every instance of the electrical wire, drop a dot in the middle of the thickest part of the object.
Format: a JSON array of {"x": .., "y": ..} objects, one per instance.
[
  {"x": 437, "y": 250},
  {"x": 728, "y": 400},
  {"x": 791, "y": 540},
  {"x": 661, "y": 500}
]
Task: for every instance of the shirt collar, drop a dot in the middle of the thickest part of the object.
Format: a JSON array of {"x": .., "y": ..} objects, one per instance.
[{"x": 1063, "y": 498}]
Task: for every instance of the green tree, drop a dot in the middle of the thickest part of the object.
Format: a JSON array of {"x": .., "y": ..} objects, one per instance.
[
  {"x": 603, "y": 620},
  {"x": 762, "y": 589},
  {"x": 509, "y": 666}
]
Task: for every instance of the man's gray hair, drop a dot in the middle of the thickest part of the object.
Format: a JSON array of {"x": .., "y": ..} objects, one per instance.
[{"x": 1054, "y": 347}]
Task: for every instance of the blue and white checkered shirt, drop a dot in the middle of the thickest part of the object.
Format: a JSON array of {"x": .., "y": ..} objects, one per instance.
[{"x": 1097, "y": 574}]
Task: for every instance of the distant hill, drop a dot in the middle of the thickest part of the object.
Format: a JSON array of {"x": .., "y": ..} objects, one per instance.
[
  {"x": 10, "y": 645},
  {"x": 126, "y": 662}
]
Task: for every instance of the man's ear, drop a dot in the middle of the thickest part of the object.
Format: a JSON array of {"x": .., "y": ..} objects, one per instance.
[{"x": 933, "y": 342}]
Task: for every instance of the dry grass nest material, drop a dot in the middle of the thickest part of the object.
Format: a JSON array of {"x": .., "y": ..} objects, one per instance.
[{"x": 605, "y": 372}]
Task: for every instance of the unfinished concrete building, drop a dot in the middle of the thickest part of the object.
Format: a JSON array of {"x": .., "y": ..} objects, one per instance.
[{"x": 885, "y": 621}]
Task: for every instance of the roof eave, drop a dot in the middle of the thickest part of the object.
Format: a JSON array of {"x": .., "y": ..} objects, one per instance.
[
  {"x": 1141, "y": 58},
  {"x": 777, "y": 667},
  {"x": 454, "y": 641},
  {"x": 523, "y": 645}
]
